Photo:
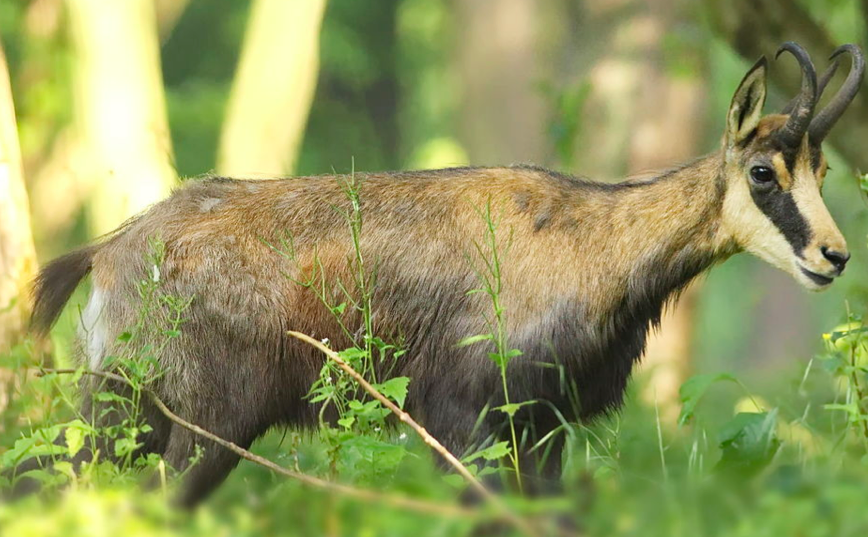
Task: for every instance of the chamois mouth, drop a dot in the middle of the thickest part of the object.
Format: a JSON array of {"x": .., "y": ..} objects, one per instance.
[{"x": 818, "y": 279}]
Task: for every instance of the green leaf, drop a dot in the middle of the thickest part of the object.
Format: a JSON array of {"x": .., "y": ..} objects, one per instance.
[
  {"x": 125, "y": 446},
  {"x": 347, "y": 421},
  {"x": 339, "y": 309},
  {"x": 493, "y": 452},
  {"x": 395, "y": 389},
  {"x": 474, "y": 339},
  {"x": 455, "y": 480},
  {"x": 748, "y": 442},
  {"x": 372, "y": 451},
  {"x": 106, "y": 397},
  {"x": 74, "y": 440},
  {"x": 835, "y": 336},
  {"x": 502, "y": 360},
  {"x": 693, "y": 390},
  {"x": 352, "y": 355},
  {"x": 511, "y": 408}
]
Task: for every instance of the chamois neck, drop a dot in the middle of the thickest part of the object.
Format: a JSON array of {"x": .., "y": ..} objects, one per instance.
[
  {"x": 663, "y": 232},
  {"x": 675, "y": 209}
]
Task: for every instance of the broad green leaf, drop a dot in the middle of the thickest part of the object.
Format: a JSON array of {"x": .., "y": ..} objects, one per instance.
[
  {"x": 74, "y": 440},
  {"x": 384, "y": 455},
  {"x": 693, "y": 390},
  {"x": 395, "y": 389},
  {"x": 493, "y": 452},
  {"x": 352, "y": 354},
  {"x": 748, "y": 442},
  {"x": 125, "y": 446},
  {"x": 110, "y": 397},
  {"x": 38, "y": 444},
  {"x": 347, "y": 421},
  {"x": 65, "y": 468}
]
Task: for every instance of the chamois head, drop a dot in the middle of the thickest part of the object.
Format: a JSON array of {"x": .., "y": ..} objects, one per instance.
[{"x": 774, "y": 169}]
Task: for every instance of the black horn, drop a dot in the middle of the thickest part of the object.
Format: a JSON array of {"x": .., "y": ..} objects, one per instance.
[
  {"x": 821, "y": 86},
  {"x": 803, "y": 107},
  {"x": 826, "y": 118}
]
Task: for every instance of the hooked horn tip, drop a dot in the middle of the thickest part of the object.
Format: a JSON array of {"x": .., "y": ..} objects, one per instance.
[
  {"x": 787, "y": 46},
  {"x": 854, "y": 50}
]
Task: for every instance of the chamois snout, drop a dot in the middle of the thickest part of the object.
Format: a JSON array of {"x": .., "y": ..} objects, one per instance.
[{"x": 836, "y": 258}]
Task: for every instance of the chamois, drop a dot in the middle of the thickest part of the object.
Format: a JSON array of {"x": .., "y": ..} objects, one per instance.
[{"x": 589, "y": 268}]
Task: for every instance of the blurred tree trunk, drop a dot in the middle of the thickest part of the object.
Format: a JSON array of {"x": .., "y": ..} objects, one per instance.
[
  {"x": 667, "y": 130},
  {"x": 168, "y": 13},
  {"x": 17, "y": 255},
  {"x": 667, "y": 133},
  {"x": 120, "y": 109},
  {"x": 503, "y": 116},
  {"x": 273, "y": 89},
  {"x": 758, "y": 27},
  {"x": 644, "y": 112}
]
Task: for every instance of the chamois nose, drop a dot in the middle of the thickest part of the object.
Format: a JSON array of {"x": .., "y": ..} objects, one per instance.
[{"x": 839, "y": 259}]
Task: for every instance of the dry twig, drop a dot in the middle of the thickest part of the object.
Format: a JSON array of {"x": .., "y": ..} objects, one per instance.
[
  {"x": 435, "y": 444},
  {"x": 392, "y": 500}
]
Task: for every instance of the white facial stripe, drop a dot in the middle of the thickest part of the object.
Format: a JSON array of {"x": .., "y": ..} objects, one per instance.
[
  {"x": 753, "y": 230},
  {"x": 824, "y": 232}
]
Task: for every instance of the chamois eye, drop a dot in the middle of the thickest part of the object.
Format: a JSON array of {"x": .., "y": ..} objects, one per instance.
[{"x": 762, "y": 175}]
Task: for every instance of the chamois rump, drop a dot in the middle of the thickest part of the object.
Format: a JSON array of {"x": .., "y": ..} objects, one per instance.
[{"x": 589, "y": 268}]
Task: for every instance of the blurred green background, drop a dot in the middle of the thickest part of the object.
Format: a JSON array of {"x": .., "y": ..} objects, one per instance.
[{"x": 603, "y": 88}]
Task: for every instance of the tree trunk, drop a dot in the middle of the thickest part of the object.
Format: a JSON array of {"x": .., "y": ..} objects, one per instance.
[
  {"x": 17, "y": 255},
  {"x": 273, "y": 89},
  {"x": 503, "y": 119},
  {"x": 644, "y": 112},
  {"x": 120, "y": 110}
]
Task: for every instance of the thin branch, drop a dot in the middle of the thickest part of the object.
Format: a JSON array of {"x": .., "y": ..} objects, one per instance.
[
  {"x": 362, "y": 494},
  {"x": 435, "y": 444}
]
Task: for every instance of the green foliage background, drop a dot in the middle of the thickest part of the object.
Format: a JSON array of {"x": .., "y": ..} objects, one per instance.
[{"x": 766, "y": 455}]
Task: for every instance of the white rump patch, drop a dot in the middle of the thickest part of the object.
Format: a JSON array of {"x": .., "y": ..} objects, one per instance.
[{"x": 93, "y": 329}]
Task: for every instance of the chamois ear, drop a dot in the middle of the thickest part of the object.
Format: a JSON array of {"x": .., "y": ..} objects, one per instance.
[{"x": 747, "y": 104}]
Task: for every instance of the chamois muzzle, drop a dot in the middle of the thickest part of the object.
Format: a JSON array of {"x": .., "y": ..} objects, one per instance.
[
  {"x": 802, "y": 111},
  {"x": 836, "y": 258},
  {"x": 826, "y": 118}
]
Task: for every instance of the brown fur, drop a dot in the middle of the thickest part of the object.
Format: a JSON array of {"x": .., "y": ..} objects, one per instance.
[{"x": 587, "y": 270}]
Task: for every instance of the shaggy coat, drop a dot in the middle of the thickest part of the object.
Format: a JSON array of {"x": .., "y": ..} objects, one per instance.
[{"x": 587, "y": 269}]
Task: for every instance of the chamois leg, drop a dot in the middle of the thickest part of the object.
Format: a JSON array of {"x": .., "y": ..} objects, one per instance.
[
  {"x": 206, "y": 473},
  {"x": 541, "y": 469},
  {"x": 234, "y": 421}
]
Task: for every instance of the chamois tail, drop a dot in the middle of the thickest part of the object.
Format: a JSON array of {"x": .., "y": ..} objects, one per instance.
[{"x": 56, "y": 283}]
